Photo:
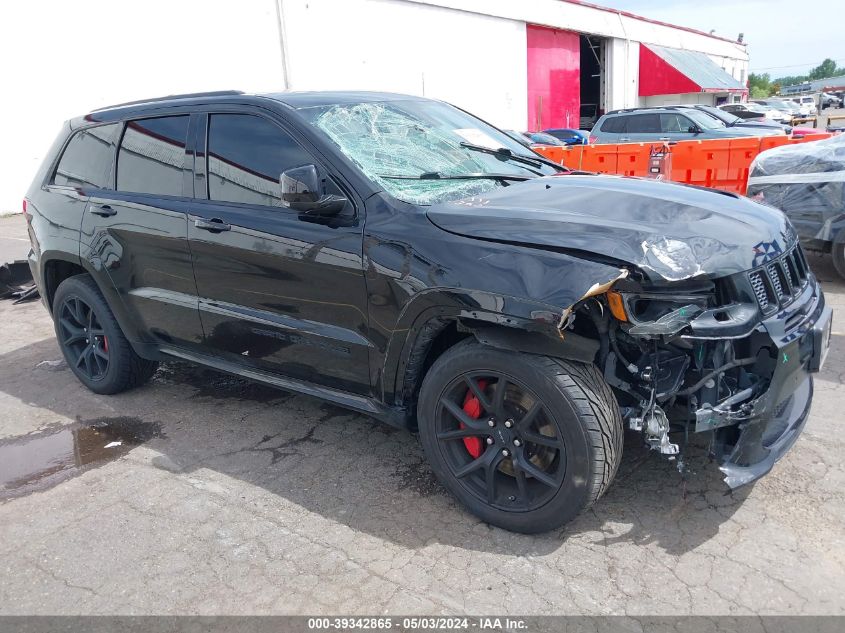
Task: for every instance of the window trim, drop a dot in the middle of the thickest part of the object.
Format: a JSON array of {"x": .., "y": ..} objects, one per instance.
[
  {"x": 49, "y": 183},
  {"x": 201, "y": 146},
  {"x": 187, "y": 167},
  {"x": 643, "y": 115}
]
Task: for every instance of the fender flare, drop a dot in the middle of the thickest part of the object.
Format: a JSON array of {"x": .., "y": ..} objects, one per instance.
[
  {"x": 112, "y": 296},
  {"x": 518, "y": 325}
]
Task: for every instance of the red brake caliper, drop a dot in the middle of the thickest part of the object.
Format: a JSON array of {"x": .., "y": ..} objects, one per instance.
[{"x": 472, "y": 407}]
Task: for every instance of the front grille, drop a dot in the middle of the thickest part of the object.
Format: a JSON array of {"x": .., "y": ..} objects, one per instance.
[
  {"x": 778, "y": 282},
  {"x": 760, "y": 289},
  {"x": 791, "y": 277}
]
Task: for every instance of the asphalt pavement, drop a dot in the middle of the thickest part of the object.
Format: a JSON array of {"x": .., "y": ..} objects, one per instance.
[{"x": 206, "y": 494}]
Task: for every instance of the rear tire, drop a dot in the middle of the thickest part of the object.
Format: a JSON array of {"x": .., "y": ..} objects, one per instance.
[
  {"x": 92, "y": 342},
  {"x": 522, "y": 473}
]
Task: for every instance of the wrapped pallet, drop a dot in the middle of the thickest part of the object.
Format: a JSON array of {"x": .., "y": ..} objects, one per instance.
[{"x": 807, "y": 182}]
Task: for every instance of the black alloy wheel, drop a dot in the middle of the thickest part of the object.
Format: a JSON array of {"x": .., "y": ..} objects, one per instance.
[
  {"x": 524, "y": 441},
  {"x": 497, "y": 438},
  {"x": 91, "y": 340},
  {"x": 83, "y": 338}
]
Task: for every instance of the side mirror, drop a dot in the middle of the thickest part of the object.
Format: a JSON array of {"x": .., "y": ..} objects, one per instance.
[
  {"x": 302, "y": 191},
  {"x": 693, "y": 129}
]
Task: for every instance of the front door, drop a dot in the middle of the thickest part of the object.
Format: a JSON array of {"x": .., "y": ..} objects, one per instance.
[{"x": 278, "y": 291}]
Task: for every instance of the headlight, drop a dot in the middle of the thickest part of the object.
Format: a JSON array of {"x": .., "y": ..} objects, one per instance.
[{"x": 647, "y": 307}]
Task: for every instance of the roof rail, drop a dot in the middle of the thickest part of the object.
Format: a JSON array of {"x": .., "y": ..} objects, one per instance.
[
  {"x": 659, "y": 107},
  {"x": 187, "y": 95},
  {"x": 623, "y": 110}
]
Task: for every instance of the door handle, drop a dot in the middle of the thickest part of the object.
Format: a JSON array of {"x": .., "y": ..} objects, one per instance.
[
  {"x": 215, "y": 225},
  {"x": 624, "y": 139},
  {"x": 103, "y": 210},
  {"x": 664, "y": 138}
]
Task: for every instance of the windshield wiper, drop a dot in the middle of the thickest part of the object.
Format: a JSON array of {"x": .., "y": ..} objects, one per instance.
[
  {"x": 436, "y": 175},
  {"x": 519, "y": 158}
]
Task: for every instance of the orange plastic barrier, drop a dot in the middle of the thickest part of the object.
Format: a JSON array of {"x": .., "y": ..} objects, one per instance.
[{"x": 719, "y": 164}]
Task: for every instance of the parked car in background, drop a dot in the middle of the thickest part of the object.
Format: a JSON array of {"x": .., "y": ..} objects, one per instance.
[
  {"x": 829, "y": 100},
  {"x": 589, "y": 115},
  {"x": 760, "y": 127},
  {"x": 402, "y": 258},
  {"x": 751, "y": 111},
  {"x": 520, "y": 138},
  {"x": 533, "y": 139},
  {"x": 542, "y": 138},
  {"x": 806, "y": 105},
  {"x": 789, "y": 109},
  {"x": 570, "y": 136},
  {"x": 779, "y": 112},
  {"x": 665, "y": 123}
]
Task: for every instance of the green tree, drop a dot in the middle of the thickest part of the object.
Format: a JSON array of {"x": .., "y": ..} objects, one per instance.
[
  {"x": 826, "y": 69},
  {"x": 759, "y": 86},
  {"x": 791, "y": 80}
]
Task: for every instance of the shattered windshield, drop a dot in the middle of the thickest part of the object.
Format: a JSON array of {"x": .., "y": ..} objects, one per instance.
[{"x": 424, "y": 152}]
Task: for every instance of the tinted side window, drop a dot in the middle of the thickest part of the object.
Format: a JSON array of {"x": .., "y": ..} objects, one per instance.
[
  {"x": 87, "y": 159},
  {"x": 614, "y": 125},
  {"x": 643, "y": 123},
  {"x": 246, "y": 156},
  {"x": 671, "y": 122},
  {"x": 151, "y": 156}
]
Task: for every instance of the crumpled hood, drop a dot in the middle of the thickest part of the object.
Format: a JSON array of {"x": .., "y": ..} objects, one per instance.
[{"x": 674, "y": 231}]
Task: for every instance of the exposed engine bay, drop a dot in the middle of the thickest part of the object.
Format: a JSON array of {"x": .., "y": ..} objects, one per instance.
[{"x": 723, "y": 356}]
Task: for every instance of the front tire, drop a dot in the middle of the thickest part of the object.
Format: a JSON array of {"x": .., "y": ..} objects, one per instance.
[
  {"x": 526, "y": 442},
  {"x": 92, "y": 342}
]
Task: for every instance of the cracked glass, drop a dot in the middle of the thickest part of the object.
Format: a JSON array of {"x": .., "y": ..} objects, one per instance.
[{"x": 396, "y": 142}]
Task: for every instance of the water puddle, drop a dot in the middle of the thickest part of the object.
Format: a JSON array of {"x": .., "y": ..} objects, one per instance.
[{"x": 42, "y": 460}]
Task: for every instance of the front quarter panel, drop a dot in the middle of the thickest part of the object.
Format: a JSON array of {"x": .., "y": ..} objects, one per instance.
[{"x": 416, "y": 272}]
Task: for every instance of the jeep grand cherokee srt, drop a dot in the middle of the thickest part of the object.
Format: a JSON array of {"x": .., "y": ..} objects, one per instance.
[{"x": 400, "y": 257}]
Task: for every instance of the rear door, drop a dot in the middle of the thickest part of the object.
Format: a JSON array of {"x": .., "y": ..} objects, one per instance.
[
  {"x": 642, "y": 128},
  {"x": 135, "y": 235},
  {"x": 279, "y": 291}
]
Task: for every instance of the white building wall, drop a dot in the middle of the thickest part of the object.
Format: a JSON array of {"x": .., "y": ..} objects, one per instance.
[
  {"x": 588, "y": 19},
  {"x": 474, "y": 61},
  {"x": 64, "y": 58},
  {"x": 623, "y": 73},
  {"x": 690, "y": 98}
]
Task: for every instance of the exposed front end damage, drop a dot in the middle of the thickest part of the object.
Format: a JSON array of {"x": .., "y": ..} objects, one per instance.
[
  {"x": 730, "y": 356},
  {"x": 705, "y": 314}
]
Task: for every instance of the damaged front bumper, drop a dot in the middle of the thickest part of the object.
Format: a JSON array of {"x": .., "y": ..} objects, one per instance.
[
  {"x": 776, "y": 418},
  {"x": 734, "y": 361}
]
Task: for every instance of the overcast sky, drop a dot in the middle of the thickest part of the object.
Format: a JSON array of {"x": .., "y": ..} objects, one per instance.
[{"x": 781, "y": 40}]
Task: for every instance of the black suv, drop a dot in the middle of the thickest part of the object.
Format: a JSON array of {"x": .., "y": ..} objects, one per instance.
[{"x": 400, "y": 257}]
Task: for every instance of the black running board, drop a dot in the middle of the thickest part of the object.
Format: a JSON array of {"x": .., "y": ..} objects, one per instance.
[{"x": 389, "y": 415}]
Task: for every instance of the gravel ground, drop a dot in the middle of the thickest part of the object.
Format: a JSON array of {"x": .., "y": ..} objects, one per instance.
[{"x": 226, "y": 497}]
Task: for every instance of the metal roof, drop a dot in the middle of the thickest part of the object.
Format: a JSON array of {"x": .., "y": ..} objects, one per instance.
[
  {"x": 698, "y": 67},
  {"x": 832, "y": 83}
]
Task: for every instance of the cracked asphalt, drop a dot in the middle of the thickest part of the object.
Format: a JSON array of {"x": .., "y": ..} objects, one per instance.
[{"x": 232, "y": 498}]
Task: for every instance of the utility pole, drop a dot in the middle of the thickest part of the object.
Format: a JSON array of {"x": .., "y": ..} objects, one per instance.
[{"x": 283, "y": 42}]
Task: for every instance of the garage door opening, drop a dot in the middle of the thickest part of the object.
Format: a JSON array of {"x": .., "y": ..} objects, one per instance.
[{"x": 592, "y": 80}]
